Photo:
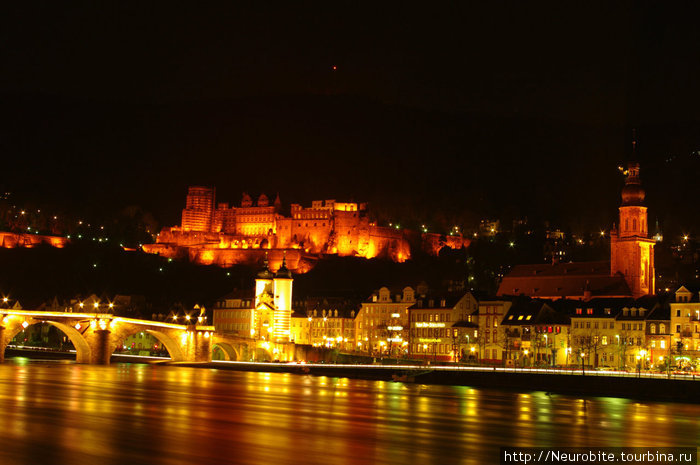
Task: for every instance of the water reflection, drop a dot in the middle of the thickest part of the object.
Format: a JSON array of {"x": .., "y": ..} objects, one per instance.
[{"x": 64, "y": 413}]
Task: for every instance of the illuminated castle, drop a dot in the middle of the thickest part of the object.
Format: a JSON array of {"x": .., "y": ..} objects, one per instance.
[
  {"x": 225, "y": 235},
  {"x": 630, "y": 272}
]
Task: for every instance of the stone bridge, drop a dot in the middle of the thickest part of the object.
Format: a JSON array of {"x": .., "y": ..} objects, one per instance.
[{"x": 96, "y": 336}]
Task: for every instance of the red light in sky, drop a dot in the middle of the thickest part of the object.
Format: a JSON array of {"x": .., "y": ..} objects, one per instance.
[{"x": 335, "y": 68}]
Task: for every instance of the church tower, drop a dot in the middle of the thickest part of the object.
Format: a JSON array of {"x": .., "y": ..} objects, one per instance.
[{"x": 631, "y": 249}]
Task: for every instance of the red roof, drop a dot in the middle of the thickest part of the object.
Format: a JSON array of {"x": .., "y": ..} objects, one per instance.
[{"x": 568, "y": 280}]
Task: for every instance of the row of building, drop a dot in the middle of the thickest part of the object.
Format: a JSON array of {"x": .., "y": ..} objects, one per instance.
[{"x": 416, "y": 323}]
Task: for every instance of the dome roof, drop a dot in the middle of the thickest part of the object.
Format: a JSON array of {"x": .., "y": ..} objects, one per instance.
[
  {"x": 283, "y": 271},
  {"x": 632, "y": 193},
  {"x": 265, "y": 272}
]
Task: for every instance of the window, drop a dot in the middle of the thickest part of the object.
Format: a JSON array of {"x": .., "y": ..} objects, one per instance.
[
  {"x": 663, "y": 344},
  {"x": 528, "y": 317},
  {"x": 652, "y": 329},
  {"x": 662, "y": 328},
  {"x": 589, "y": 311},
  {"x": 653, "y": 344},
  {"x": 579, "y": 311},
  {"x": 604, "y": 340}
]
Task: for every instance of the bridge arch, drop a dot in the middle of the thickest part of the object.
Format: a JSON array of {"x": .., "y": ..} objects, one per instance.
[
  {"x": 83, "y": 352},
  {"x": 263, "y": 354},
  {"x": 229, "y": 351},
  {"x": 171, "y": 344}
]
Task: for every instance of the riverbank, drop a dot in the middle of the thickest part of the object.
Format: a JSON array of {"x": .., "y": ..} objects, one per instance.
[{"x": 644, "y": 387}]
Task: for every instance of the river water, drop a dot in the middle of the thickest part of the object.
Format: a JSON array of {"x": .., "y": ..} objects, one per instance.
[{"x": 64, "y": 413}]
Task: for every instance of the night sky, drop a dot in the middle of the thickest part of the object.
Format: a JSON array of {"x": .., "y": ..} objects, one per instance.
[{"x": 438, "y": 113}]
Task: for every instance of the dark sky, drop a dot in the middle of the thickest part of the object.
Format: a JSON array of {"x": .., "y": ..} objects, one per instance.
[{"x": 469, "y": 110}]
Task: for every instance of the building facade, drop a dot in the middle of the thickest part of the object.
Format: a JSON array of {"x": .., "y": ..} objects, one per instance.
[
  {"x": 443, "y": 327},
  {"x": 685, "y": 327},
  {"x": 381, "y": 325},
  {"x": 490, "y": 315}
]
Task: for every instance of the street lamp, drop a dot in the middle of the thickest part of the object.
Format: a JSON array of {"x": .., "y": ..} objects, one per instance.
[{"x": 583, "y": 364}]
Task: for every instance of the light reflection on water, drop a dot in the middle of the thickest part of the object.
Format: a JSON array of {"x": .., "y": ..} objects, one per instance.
[{"x": 63, "y": 413}]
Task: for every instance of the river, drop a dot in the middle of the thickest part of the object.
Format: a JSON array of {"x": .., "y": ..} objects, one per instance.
[{"x": 64, "y": 413}]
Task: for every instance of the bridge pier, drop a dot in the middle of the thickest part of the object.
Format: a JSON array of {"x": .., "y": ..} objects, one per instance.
[
  {"x": 3, "y": 343},
  {"x": 101, "y": 353},
  {"x": 198, "y": 345}
]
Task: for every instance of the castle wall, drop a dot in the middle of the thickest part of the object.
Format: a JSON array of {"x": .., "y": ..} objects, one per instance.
[{"x": 10, "y": 240}]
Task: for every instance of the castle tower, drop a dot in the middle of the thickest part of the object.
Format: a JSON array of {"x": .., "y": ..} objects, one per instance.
[
  {"x": 199, "y": 209},
  {"x": 631, "y": 249},
  {"x": 283, "y": 302}
]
